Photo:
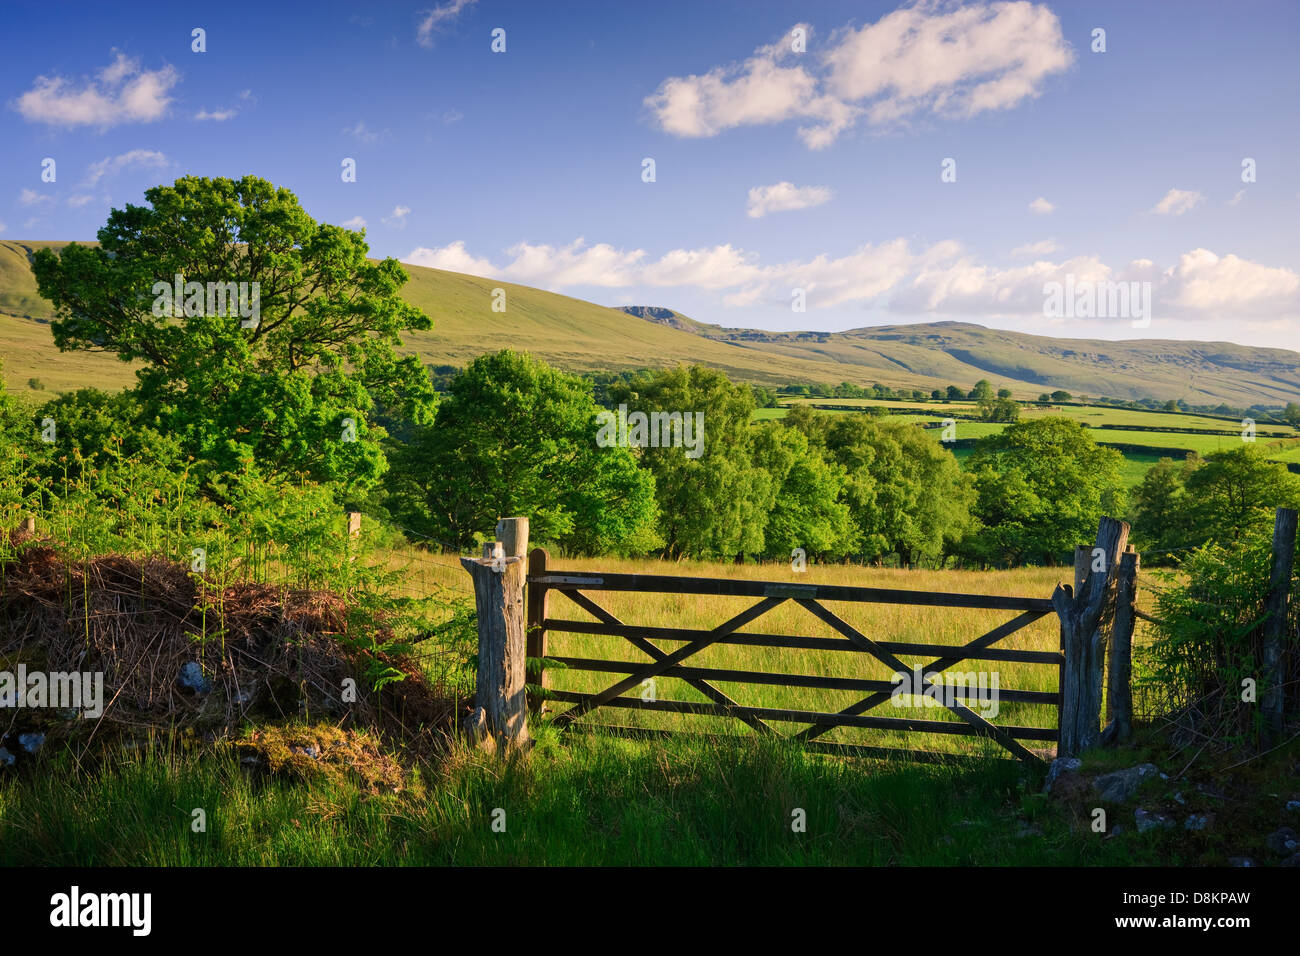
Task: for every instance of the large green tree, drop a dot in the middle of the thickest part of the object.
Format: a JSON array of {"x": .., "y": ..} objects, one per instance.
[
  {"x": 1041, "y": 488},
  {"x": 716, "y": 503},
  {"x": 1160, "y": 512},
  {"x": 1235, "y": 490},
  {"x": 289, "y": 379},
  {"x": 517, "y": 437},
  {"x": 807, "y": 509},
  {"x": 906, "y": 494}
]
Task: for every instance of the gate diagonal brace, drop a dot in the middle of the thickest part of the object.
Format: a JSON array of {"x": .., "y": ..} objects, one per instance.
[
  {"x": 664, "y": 663},
  {"x": 657, "y": 653},
  {"x": 965, "y": 713},
  {"x": 942, "y": 663}
]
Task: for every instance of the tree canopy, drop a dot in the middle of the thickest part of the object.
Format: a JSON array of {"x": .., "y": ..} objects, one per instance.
[
  {"x": 283, "y": 337},
  {"x": 517, "y": 437},
  {"x": 1041, "y": 487}
]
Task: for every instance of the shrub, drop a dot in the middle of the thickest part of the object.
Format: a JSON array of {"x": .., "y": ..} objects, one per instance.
[{"x": 1210, "y": 643}]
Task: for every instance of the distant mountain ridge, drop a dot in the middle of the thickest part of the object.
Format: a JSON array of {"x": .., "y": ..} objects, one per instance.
[
  {"x": 581, "y": 336},
  {"x": 1121, "y": 365}
]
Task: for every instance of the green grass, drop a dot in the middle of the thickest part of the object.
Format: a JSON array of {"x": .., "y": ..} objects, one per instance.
[{"x": 582, "y": 801}]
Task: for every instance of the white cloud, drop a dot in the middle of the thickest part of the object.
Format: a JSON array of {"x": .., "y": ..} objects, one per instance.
[
  {"x": 1044, "y": 247},
  {"x": 574, "y": 264},
  {"x": 436, "y": 19},
  {"x": 942, "y": 279},
  {"x": 77, "y": 201},
  {"x": 1177, "y": 202},
  {"x": 112, "y": 165},
  {"x": 30, "y": 197},
  {"x": 121, "y": 93},
  {"x": 784, "y": 196},
  {"x": 453, "y": 258},
  {"x": 217, "y": 116},
  {"x": 1041, "y": 206},
  {"x": 397, "y": 218},
  {"x": 355, "y": 223},
  {"x": 920, "y": 60},
  {"x": 1203, "y": 281},
  {"x": 3, "y": 227},
  {"x": 863, "y": 274}
]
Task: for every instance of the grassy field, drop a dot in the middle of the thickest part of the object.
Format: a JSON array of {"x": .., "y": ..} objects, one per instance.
[
  {"x": 1136, "y": 463},
  {"x": 594, "y": 799},
  {"x": 1088, "y": 414},
  {"x": 573, "y": 802}
]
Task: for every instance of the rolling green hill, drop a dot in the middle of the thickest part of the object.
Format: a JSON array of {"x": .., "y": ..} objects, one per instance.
[{"x": 581, "y": 336}]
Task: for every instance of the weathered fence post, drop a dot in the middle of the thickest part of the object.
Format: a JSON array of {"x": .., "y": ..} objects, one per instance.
[
  {"x": 354, "y": 524},
  {"x": 500, "y": 718},
  {"x": 1119, "y": 683},
  {"x": 538, "y": 599},
  {"x": 1274, "y": 670},
  {"x": 1082, "y": 559},
  {"x": 1081, "y": 615},
  {"x": 28, "y": 526}
]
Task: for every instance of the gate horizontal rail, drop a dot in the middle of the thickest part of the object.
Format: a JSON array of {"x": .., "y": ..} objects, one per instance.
[
  {"x": 797, "y": 680},
  {"x": 671, "y": 584},
  {"x": 817, "y": 718},
  {"x": 804, "y": 643}
]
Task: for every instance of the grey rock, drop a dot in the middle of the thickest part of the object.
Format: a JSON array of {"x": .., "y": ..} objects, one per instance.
[
  {"x": 6, "y": 758},
  {"x": 31, "y": 742},
  {"x": 1119, "y": 787},
  {"x": 1060, "y": 766},
  {"x": 1198, "y": 821},
  {"x": 1293, "y": 804},
  {"x": 1150, "y": 821},
  {"x": 193, "y": 679},
  {"x": 1180, "y": 799},
  {"x": 1282, "y": 841}
]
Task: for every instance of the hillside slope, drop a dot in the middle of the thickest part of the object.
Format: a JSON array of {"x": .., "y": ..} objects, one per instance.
[{"x": 581, "y": 336}]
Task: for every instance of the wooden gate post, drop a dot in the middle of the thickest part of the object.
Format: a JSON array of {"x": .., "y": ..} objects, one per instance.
[
  {"x": 538, "y": 599},
  {"x": 1081, "y": 615},
  {"x": 500, "y": 719},
  {"x": 1284, "y": 532},
  {"x": 1119, "y": 684}
]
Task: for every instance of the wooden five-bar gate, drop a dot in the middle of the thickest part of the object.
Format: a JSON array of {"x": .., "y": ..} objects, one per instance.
[
  {"x": 511, "y": 634},
  {"x": 768, "y": 596}
]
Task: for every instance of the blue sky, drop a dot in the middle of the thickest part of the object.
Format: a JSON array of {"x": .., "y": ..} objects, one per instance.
[{"x": 775, "y": 169}]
